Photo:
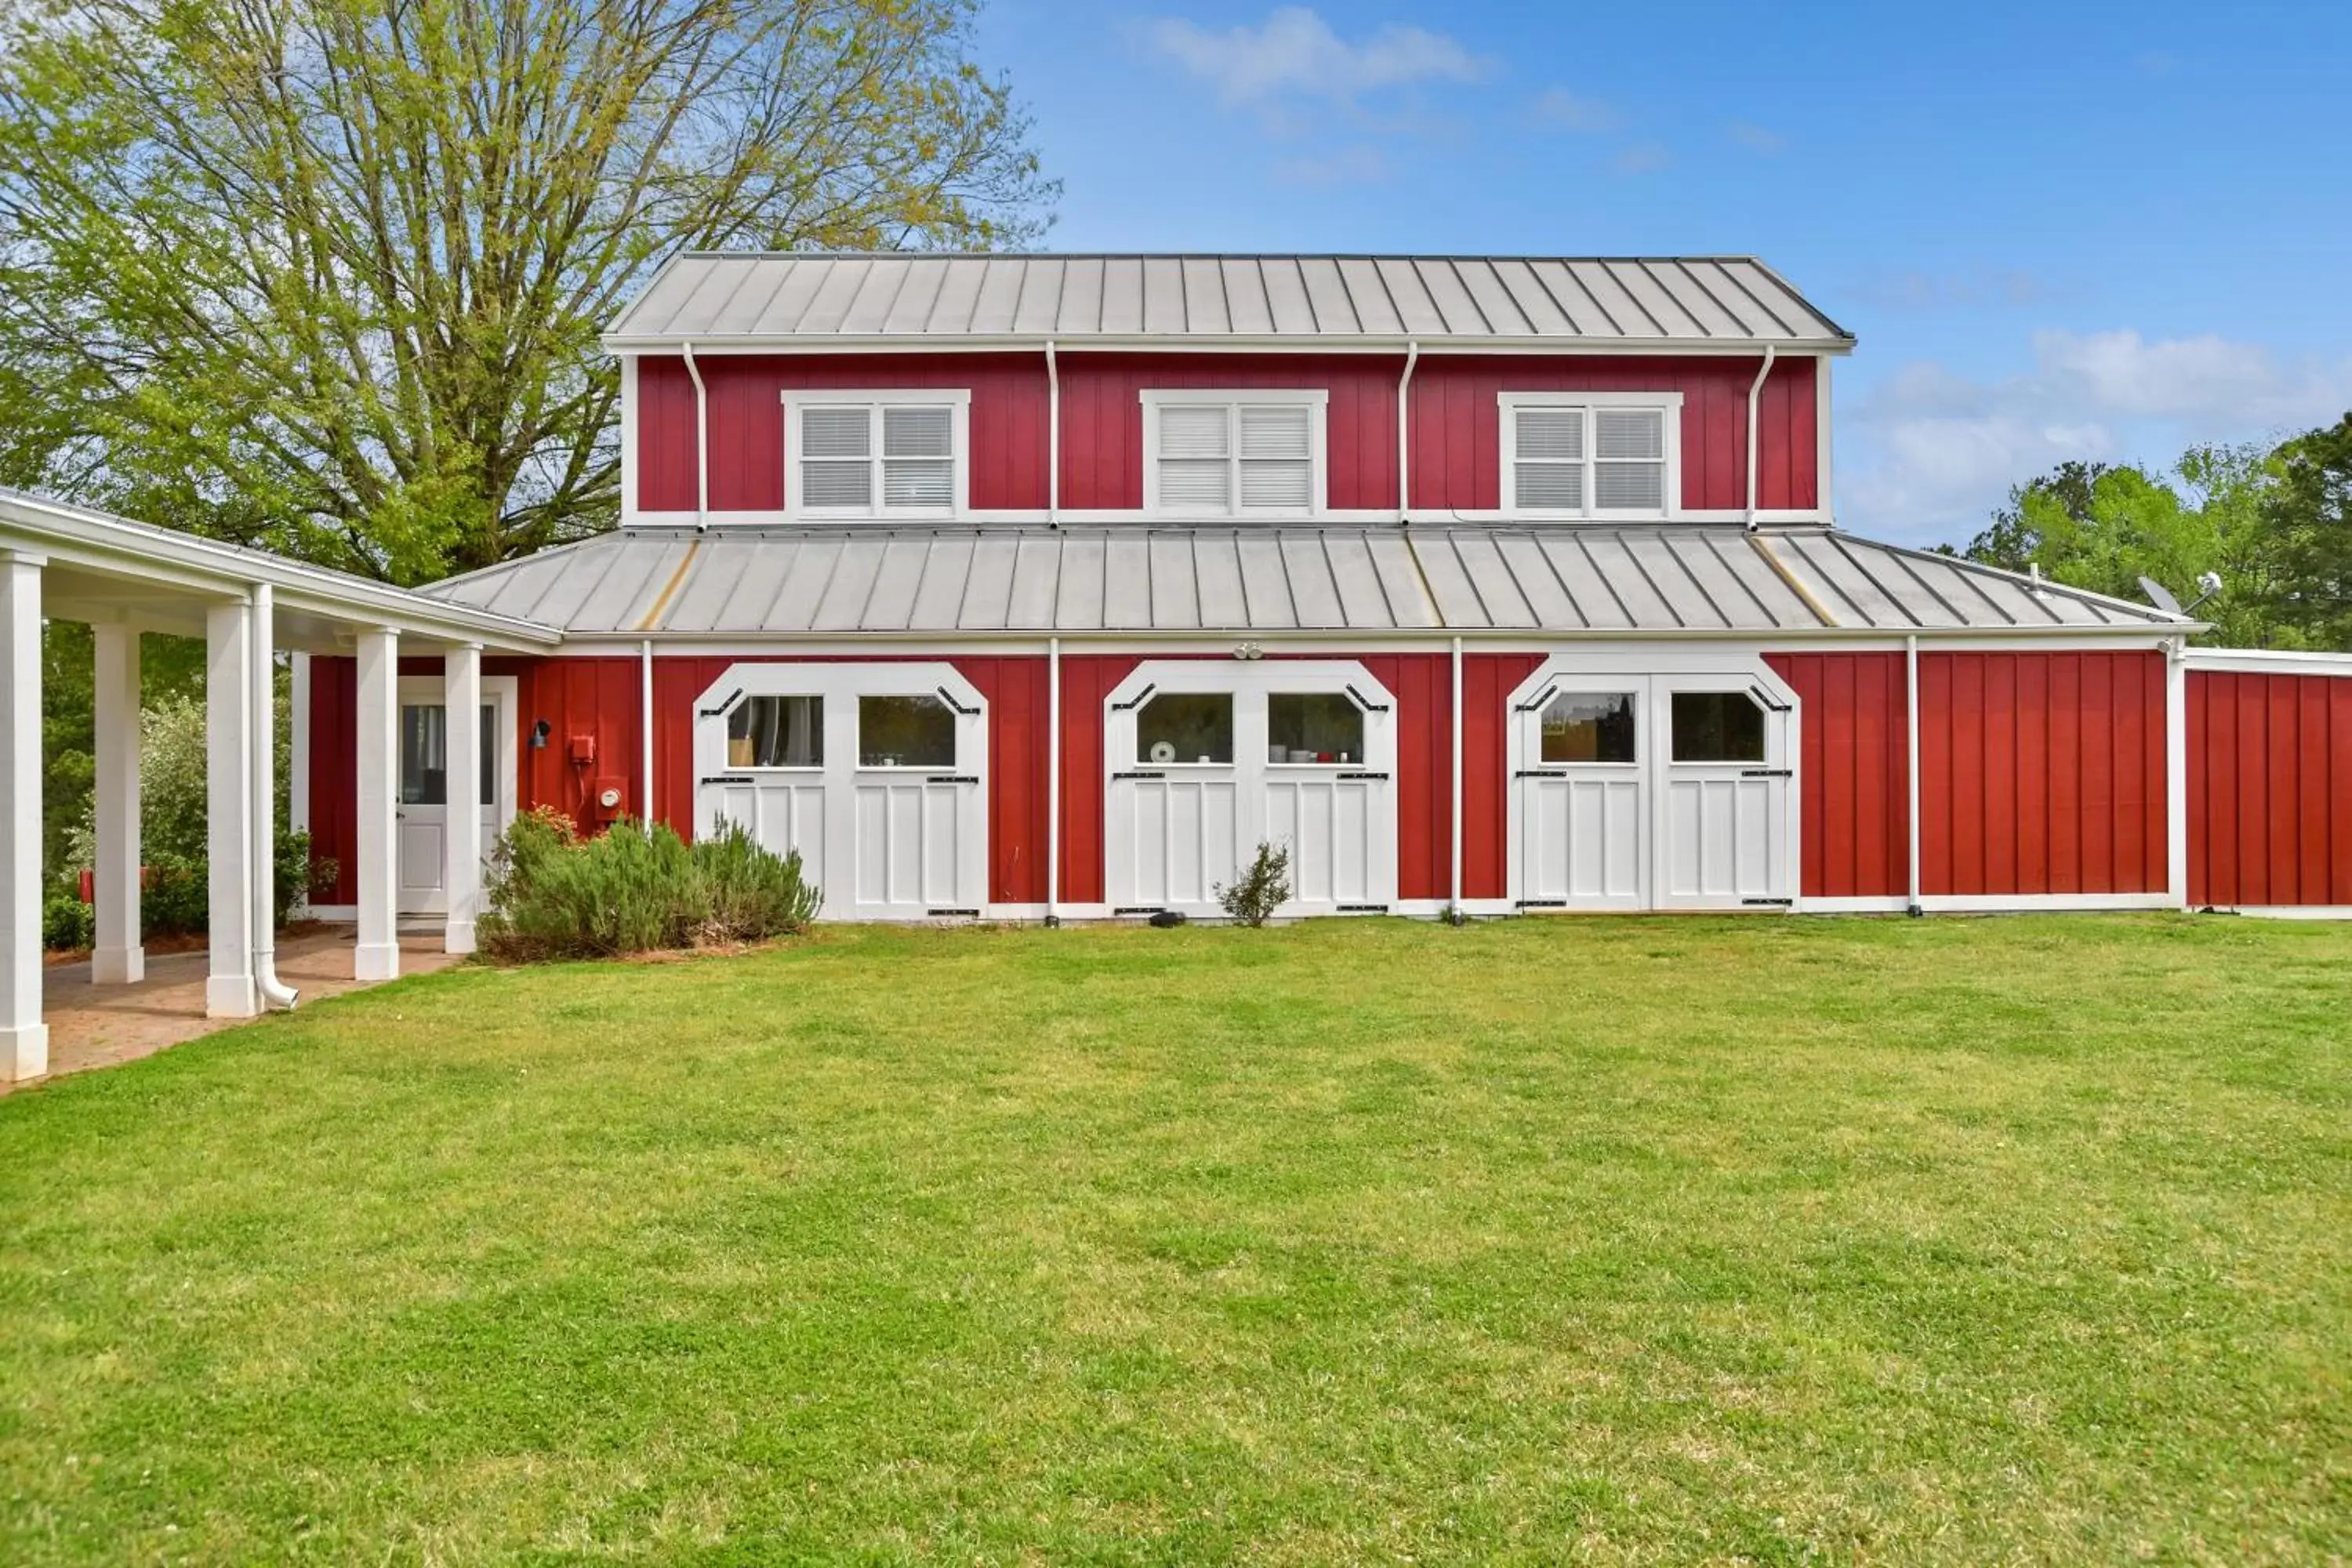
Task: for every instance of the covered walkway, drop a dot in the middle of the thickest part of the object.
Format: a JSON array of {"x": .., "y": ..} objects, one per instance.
[{"x": 126, "y": 578}]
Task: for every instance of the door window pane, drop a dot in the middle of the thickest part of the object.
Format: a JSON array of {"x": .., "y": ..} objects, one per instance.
[
  {"x": 905, "y": 732},
  {"x": 1589, "y": 727},
  {"x": 1186, "y": 727},
  {"x": 1717, "y": 726},
  {"x": 1313, "y": 727},
  {"x": 776, "y": 733},
  {"x": 488, "y": 755},
  {"x": 424, "y": 755}
]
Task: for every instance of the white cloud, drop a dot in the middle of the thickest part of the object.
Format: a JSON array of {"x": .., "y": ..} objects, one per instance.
[
  {"x": 1641, "y": 158},
  {"x": 1295, "y": 52},
  {"x": 1349, "y": 166},
  {"x": 1570, "y": 111},
  {"x": 1932, "y": 453},
  {"x": 1757, "y": 138},
  {"x": 1968, "y": 287}
]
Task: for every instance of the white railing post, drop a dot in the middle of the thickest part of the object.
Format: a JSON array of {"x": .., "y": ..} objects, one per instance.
[
  {"x": 377, "y": 954},
  {"x": 118, "y": 958},
  {"x": 461, "y": 676},
  {"x": 229, "y": 827},
  {"x": 24, "y": 1038}
]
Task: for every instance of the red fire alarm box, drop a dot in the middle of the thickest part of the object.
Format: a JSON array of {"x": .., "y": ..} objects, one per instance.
[
  {"x": 608, "y": 799},
  {"x": 583, "y": 748}
]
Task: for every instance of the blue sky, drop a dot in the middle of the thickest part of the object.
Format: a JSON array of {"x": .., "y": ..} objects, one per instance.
[{"x": 2059, "y": 230}]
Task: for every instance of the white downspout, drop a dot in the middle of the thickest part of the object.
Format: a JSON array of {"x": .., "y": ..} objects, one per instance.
[
  {"x": 702, "y": 442},
  {"x": 646, "y": 727},
  {"x": 1053, "y": 445},
  {"x": 1754, "y": 396},
  {"x": 1053, "y": 781},
  {"x": 1404, "y": 447},
  {"x": 1455, "y": 885},
  {"x": 1911, "y": 725},
  {"x": 262, "y": 784}
]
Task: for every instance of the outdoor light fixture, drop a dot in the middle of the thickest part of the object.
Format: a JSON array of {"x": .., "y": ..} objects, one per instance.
[{"x": 539, "y": 733}]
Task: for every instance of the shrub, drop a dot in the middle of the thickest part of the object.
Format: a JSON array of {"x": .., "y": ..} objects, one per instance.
[
  {"x": 1262, "y": 889},
  {"x": 553, "y": 894},
  {"x": 67, "y": 922}
]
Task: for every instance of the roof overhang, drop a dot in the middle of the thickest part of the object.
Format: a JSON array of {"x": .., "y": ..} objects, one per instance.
[
  {"x": 625, "y": 343},
  {"x": 107, "y": 568}
]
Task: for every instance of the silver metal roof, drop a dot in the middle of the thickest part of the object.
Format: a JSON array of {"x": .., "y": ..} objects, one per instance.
[
  {"x": 817, "y": 581},
  {"x": 1633, "y": 301}
]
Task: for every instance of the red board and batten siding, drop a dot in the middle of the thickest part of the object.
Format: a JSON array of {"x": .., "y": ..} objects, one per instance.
[
  {"x": 2270, "y": 789},
  {"x": 1456, "y": 451},
  {"x": 1854, "y": 768}
]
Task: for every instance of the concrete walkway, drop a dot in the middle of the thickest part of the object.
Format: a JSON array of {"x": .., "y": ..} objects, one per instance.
[{"x": 99, "y": 1026}]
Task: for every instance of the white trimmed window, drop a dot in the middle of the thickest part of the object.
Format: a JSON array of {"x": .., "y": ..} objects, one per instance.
[
  {"x": 1233, "y": 454},
  {"x": 1591, "y": 454},
  {"x": 876, "y": 454}
]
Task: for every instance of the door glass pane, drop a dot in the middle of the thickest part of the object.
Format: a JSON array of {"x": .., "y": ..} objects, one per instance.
[
  {"x": 905, "y": 732},
  {"x": 1589, "y": 727},
  {"x": 488, "y": 757},
  {"x": 1313, "y": 727},
  {"x": 776, "y": 733},
  {"x": 424, "y": 755},
  {"x": 1186, "y": 727},
  {"x": 1717, "y": 726}
]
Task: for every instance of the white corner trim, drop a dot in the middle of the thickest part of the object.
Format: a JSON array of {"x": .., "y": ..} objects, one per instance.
[
  {"x": 1669, "y": 404},
  {"x": 956, "y": 399}
]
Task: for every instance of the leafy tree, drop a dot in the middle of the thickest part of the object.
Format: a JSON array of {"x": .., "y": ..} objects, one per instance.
[
  {"x": 327, "y": 275},
  {"x": 2103, "y": 528},
  {"x": 2310, "y": 511}
]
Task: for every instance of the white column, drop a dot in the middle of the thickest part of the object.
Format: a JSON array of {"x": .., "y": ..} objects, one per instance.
[
  {"x": 2176, "y": 772},
  {"x": 24, "y": 1038},
  {"x": 462, "y": 876},
  {"x": 228, "y": 829},
  {"x": 377, "y": 957},
  {"x": 117, "y": 959}
]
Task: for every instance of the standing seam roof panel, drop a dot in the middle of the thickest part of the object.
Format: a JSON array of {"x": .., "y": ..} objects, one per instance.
[{"x": 1217, "y": 577}]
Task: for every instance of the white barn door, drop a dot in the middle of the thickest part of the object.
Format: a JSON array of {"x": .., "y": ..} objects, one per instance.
[
  {"x": 876, "y": 773},
  {"x": 1652, "y": 781},
  {"x": 1194, "y": 784}
]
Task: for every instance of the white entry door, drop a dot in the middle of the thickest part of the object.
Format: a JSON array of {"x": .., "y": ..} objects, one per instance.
[
  {"x": 426, "y": 791},
  {"x": 877, "y": 773},
  {"x": 1206, "y": 759},
  {"x": 1637, "y": 788}
]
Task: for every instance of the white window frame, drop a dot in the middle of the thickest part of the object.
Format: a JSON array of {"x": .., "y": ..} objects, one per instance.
[
  {"x": 956, "y": 400},
  {"x": 1668, "y": 404},
  {"x": 1317, "y": 400}
]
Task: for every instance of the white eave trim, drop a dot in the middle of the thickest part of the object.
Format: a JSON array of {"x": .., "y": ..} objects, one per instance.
[
  {"x": 1201, "y": 342},
  {"x": 119, "y": 547}
]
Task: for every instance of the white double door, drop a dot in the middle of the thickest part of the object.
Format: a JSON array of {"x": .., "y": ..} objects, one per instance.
[
  {"x": 427, "y": 794},
  {"x": 1193, "y": 787},
  {"x": 1636, "y": 790},
  {"x": 875, "y": 773}
]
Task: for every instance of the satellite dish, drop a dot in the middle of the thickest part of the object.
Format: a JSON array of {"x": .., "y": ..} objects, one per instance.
[{"x": 2160, "y": 596}]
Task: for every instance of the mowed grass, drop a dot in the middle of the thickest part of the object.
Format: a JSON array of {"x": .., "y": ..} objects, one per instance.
[{"x": 1553, "y": 1240}]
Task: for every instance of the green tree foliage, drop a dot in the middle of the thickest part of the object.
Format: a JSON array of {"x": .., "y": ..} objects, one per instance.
[
  {"x": 2224, "y": 509},
  {"x": 327, "y": 275},
  {"x": 2310, "y": 511}
]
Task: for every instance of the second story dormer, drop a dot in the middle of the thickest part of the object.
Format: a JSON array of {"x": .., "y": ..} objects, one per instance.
[{"x": 1179, "y": 390}]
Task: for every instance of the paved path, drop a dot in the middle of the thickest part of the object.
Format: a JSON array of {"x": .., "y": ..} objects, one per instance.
[{"x": 99, "y": 1026}]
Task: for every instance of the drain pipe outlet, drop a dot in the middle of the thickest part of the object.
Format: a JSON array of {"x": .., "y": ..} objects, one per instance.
[{"x": 262, "y": 700}]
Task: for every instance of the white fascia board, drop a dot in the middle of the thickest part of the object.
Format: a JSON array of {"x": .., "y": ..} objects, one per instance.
[
  {"x": 2266, "y": 662},
  {"x": 619, "y": 343}
]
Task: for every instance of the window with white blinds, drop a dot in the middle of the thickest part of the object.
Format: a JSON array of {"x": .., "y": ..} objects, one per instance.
[
  {"x": 1587, "y": 458},
  {"x": 1233, "y": 454},
  {"x": 875, "y": 456}
]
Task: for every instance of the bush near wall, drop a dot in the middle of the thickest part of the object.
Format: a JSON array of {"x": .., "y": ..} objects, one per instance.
[{"x": 633, "y": 888}]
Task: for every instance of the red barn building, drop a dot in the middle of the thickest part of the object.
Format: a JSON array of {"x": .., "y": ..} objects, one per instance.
[{"x": 1049, "y": 586}]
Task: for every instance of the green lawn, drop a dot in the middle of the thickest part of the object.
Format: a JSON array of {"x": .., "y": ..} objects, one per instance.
[{"x": 1609, "y": 1241}]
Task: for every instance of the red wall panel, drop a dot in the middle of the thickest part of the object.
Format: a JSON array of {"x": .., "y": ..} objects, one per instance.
[
  {"x": 2041, "y": 773},
  {"x": 333, "y": 766},
  {"x": 746, "y": 392},
  {"x": 1853, "y": 772},
  {"x": 1488, "y": 681},
  {"x": 1457, "y": 441},
  {"x": 1456, "y": 454},
  {"x": 2270, "y": 789}
]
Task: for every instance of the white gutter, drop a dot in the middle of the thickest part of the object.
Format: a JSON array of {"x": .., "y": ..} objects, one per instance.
[
  {"x": 1456, "y": 885},
  {"x": 1911, "y": 772},
  {"x": 1053, "y": 781},
  {"x": 1231, "y": 342},
  {"x": 1053, "y": 441},
  {"x": 262, "y": 790},
  {"x": 646, "y": 727},
  {"x": 701, "y": 441},
  {"x": 1755, "y": 395},
  {"x": 1404, "y": 450}
]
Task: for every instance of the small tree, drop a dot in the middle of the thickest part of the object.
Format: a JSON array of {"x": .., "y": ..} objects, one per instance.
[{"x": 1260, "y": 890}]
